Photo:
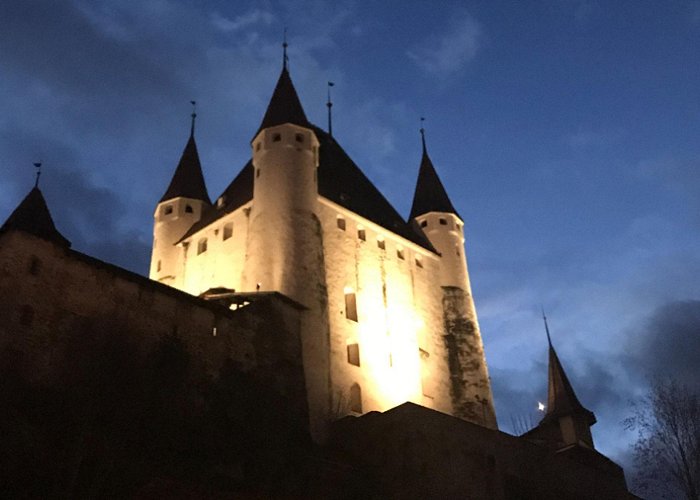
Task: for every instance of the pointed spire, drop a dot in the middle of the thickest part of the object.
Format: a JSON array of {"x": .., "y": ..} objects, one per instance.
[
  {"x": 561, "y": 398},
  {"x": 188, "y": 180},
  {"x": 284, "y": 106},
  {"x": 32, "y": 216},
  {"x": 430, "y": 194}
]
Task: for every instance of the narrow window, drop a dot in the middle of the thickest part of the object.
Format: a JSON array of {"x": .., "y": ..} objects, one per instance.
[
  {"x": 188, "y": 209},
  {"x": 34, "y": 265},
  {"x": 361, "y": 234},
  {"x": 457, "y": 251},
  {"x": 258, "y": 146},
  {"x": 168, "y": 209},
  {"x": 228, "y": 230},
  {"x": 276, "y": 137},
  {"x": 202, "y": 246},
  {"x": 26, "y": 315},
  {"x": 257, "y": 173},
  {"x": 381, "y": 244},
  {"x": 399, "y": 253},
  {"x": 341, "y": 223},
  {"x": 424, "y": 223},
  {"x": 354, "y": 354},
  {"x": 355, "y": 399},
  {"x": 443, "y": 221},
  {"x": 299, "y": 137},
  {"x": 350, "y": 304},
  {"x": 419, "y": 261},
  {"x": 158, "y": 266}
]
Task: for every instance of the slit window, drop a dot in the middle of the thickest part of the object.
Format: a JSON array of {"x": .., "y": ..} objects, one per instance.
[
  {"x": 354, "y": 354},
  {"x": 443, "y": 221},
  {"x": 188, "y": 209},
  {"x": 299, "y": 137},
  {"x": 457, "y": 251},
  {"x": 341, "y": 223},
  {"x": 399, "y": 253},
  {"x": 361, "y": 234},
  {"x": 168, "y": 210},
  {"x": 424, "y": 223},
  {"x": 381, "y": 244},
  {"x": 257, "y": 173},
  {"x": 419, "y": 261},
  {"x": 202, "y": 246},
  {"x": 350, "y": 304},
  {"x": 228, "y": 231},
  {"x": 355, "y": 399},
  {"x": 258, "y": 146},
  {"x": 276, "y": 137},
  {"x": 158, "y": 266}
]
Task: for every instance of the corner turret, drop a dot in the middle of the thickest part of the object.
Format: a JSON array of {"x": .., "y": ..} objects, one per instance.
[
  {"x": 433, "y": 215},
  {"x": 32, "y": 216},
  {"x": 181, "y": 206}
]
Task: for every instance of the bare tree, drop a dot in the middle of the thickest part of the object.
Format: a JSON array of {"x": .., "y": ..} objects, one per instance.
[{"x": 667, "y": 451}]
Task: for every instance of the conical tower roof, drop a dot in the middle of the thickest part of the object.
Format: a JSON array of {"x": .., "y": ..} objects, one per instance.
[
  {"x": 561, "y": 398},
  {"x": 32, "y": 216},
  {"x": 284, "y": 106},
  {"x": 188, "y": 181},
  {"x": 430, "y": 194}
]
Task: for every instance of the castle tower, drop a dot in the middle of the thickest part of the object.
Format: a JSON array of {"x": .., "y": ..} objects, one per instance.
[
  {"x": 32, "y": 216},
  {"x": 181, "y": 206},
  {"x": 285, "y": 247},
  {"x": 434, "y": 215},
  {"x": 566, "y": 421}
]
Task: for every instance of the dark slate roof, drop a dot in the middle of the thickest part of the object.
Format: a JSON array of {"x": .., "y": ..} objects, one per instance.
[
  {"x": 188, "y": 180},
  {"x": 561, "y": 398},
  {"x": 430, "y": 195},
  {"x": 32, "y": 216},
  {"x": 284, "y": 106},
  {"x": 339, "y": 180}
]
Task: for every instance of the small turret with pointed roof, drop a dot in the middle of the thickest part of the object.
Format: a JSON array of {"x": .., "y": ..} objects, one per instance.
[
  {"x": 565, "y": 416},
  {"x": 430, "y": 194},
  {"x": 188, "y": 180},
  {"x": 32, "y": 216}
]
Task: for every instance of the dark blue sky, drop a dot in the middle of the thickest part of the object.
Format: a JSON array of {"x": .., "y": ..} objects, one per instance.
[{"x": 567, "y": 133}]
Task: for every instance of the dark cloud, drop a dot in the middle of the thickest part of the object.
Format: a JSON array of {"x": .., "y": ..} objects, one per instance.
[{"x": 668, "y": 343}]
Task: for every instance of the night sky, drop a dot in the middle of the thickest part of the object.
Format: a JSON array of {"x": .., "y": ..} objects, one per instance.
[{"x": 567, "y": 133}]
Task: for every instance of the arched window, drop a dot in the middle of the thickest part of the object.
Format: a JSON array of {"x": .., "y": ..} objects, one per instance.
[
  {"x": 355, "y": 399},
  {"x": 188, "y": 209}
]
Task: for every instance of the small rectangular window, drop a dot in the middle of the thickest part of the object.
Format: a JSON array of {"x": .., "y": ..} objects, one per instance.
[
  {"x": 257, "y": 173},
  {"x": 341, "y": 223},
  {"x": 188, "y": 209},
  {"x": 424, "y": 223},
  {"x": 381, "y": 244},
  {"x": 443, "y": 221},
  {"x": 361, "y": 234},
  {"x": 354, "y": 354},
  {"x": 228, "y": 231},
  {"x": 419, "y": 261},
  {"x": 299, "y": 137},
  {"x": 276, "y": 137},
  {"x": 258, "y": 146},
  {"x": 202, "y": 246},
  {"x": 168, "y": 209},
  {"x": 350, "y": 306},
  {"x": 158, "y": 266},
  {"x": 399, "y": 253}
]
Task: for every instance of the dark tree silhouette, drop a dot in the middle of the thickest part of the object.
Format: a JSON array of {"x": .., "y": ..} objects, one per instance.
[{"x": 667, "y": 451}]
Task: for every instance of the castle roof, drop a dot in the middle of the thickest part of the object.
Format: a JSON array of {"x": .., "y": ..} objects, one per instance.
[
  {"x": 188, "y": 181},
  {"x": 430, "y": 194},
  {"x": 32, "y": 216},
  {"x": 340, "y": 180},
  {"x": 284, "y": 106},
  {"x": 561, "y": 398}
]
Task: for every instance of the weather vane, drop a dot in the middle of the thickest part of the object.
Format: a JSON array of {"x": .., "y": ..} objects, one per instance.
[
  {"x": 193, "y": 115},
  {"x": 422, "y": 131},
  {"x": 285, "y": 59},
  {"x": 329, "y": 104},
  {"x": 37, "y": 165}
]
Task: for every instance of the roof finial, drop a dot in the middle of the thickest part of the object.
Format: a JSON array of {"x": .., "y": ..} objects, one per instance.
[
  {"x": 422, "y": 133},
  {"x": 546, "y": 327},
  {"x": 193, "y": 115},
  {"x": 329, "y": 104},
  {"x": 38, "y": 173},
  {"x": 285, "y": 59}
]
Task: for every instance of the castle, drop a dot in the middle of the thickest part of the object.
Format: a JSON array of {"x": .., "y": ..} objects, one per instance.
[
  {"x": 389, "y": 315},
  {"x": 361, "y": 325}
]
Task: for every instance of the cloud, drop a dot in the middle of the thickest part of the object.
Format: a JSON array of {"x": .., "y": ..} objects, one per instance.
[
  {"x": 668, "y": 342},
  {"x": 251, "y": 18},
  {"x": 448, "y": 53}
]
